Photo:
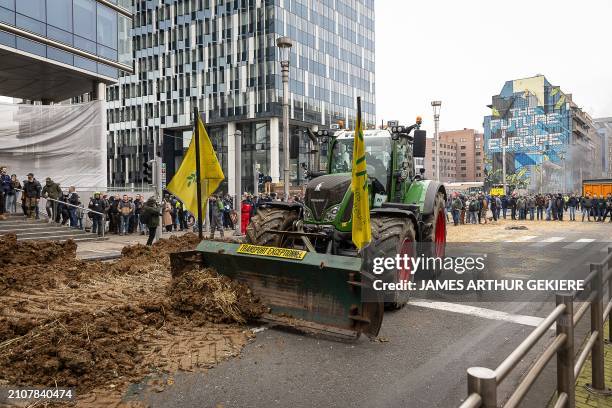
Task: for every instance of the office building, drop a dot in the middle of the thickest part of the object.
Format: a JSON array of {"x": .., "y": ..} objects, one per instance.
[
  {"x": 53, "y": 50},
  {"x": 221, "y": 58},
  {"x": 461, "y": 156},
  {"x": 548, "y": 138},
  {"x": 604, "y": 130}
]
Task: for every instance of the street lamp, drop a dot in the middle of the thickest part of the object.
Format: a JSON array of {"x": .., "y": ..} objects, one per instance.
[
  {"x": 238, "y": 180},
  {"x": 436, "y": 110},
  {"x": 285, "y": 44}
]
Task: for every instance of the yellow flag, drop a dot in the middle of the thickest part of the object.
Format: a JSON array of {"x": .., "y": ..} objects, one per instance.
[
  {"x": 183, "y": 184},
  {"x": 362, "y": 233}
]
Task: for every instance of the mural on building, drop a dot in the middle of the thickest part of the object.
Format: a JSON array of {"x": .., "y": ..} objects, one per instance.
[{"x": 535, "y": 118}]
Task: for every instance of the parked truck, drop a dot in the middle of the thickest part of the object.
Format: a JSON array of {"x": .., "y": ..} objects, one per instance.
[{"x": 601, "y": 187}]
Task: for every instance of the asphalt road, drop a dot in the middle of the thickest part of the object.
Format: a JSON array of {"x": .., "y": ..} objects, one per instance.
[{"x": 422, "y": 361}]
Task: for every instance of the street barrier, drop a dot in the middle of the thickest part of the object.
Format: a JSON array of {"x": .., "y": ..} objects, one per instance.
[
  {"x": 483, "y": 382},
  {"x": 85, "y": 210}
]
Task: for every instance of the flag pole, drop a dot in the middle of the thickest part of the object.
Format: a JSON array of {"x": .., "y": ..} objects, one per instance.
[{"x": 198, "y": 175}]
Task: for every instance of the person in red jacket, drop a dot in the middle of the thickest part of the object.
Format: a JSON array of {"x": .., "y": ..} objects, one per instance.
[{"x": 245, "y": 214}]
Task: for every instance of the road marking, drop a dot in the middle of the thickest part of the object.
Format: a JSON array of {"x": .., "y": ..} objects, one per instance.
[
  {"x": 548, "y": 241},
  {"x": 522, "y": 239},
  {"x": 581, "y": 243},
  {"x": 490, "y": 314}
]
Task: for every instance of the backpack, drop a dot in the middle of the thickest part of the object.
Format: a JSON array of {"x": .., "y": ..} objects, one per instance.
[{"x": 473, "y": 206}]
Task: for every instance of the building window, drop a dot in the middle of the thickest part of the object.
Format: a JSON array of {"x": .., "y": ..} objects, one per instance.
[
  {"x": 462, "y": 147},
  {"x": 59, "y": 14},
  {"x": 85, "y": 19},
  {"x": 32, "y": 8},
  {"x": 107, "y": 27}
]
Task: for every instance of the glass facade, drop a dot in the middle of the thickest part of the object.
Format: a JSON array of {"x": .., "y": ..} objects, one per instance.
[
  {"x": 221, "y": 57},
  {"x": 83, "y": 24}
]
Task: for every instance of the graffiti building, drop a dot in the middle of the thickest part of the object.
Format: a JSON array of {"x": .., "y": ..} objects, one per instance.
[{"x": 545, "y": 136}]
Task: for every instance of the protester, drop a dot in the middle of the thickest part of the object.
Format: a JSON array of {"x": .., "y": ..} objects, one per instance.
[
  {"x": 126, "y": 209},
  {"x": 74, "y": 200},
  {"x": 572, "y": 203},
  {"x": 5, "y": 188},
  {"x": 53, "y": 192},
  {"x": 150, "y": 217},
  {"x": 98, "y": 205},
  {"x": 456, "y": 208},
  {"x": 167, "y": 215},
  {"x": 215, "y": 213},
  {"x": 13, "y": 195},
  {"x": 245, "y": 213},
  {"x": 31, "y": 196}
]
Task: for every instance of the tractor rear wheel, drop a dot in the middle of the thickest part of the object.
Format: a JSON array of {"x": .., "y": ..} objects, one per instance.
[
  {"x": 434, "y": 236},
  {"x": 392, "y": 236},
  {"x": 270, "y": 218}
]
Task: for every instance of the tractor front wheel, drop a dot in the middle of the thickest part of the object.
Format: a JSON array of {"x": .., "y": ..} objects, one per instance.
[
  {"x": 267, "y": 219},
  {"x": 392, "y": 236}
]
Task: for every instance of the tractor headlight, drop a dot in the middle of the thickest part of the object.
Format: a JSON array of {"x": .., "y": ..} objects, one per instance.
[
  {"x": 330, "y": 215},
  {"x": 307, "y": 213}
]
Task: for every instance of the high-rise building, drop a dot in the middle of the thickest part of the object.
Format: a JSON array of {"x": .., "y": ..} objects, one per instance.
[
  {"x": 448, "y": 160},
  {"x": 604, "y": 130},
  {"x": 550, "y": 142},
  {"x": 461, "y": 156},
  {"x": 53, "y": 50},
  {"x": 221, "y": 57}
]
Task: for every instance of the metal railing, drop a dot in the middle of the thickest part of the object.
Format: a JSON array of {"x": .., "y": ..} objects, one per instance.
[
  {"x": 483, "y": 382},
  {"x": 82, "y": 208}
]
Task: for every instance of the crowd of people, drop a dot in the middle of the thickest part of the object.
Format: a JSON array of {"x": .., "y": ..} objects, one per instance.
[
  {"x": 121, "y": 214},
  {"x": 475, "y": 208}
]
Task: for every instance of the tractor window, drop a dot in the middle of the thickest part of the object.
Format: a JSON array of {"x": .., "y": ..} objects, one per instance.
[{"x": 378, "y": 157}]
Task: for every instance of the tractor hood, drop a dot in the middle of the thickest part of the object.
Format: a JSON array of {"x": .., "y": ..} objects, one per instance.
[{"x": 325, "y": 192}]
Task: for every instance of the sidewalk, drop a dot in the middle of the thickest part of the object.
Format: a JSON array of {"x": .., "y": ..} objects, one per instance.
[
  {"x": 584, "y": 399},
  {"x": 111, "y": 247}
]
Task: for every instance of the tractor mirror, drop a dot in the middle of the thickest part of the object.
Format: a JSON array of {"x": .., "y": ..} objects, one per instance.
[{"x": 418, "y": 149}]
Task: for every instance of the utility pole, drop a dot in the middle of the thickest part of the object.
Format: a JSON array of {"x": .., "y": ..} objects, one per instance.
[
  {"x": 238, "y": 180},
  {"x": 285, "y": 44},
  {"x": 157, "y": 144},
  {"x": 436, "y": 110},
  {"x": 504, "y": 161},
  {"x": 255, "y": 180}
]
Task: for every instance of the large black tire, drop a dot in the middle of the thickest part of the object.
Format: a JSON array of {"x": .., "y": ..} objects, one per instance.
[
  {"x": 270, "y": 218},
  {"x": 430, "y": 248},
  {"x": 388, "y": 237}
]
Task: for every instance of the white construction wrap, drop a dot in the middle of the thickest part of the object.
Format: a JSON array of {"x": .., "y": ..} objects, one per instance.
[{"x": 64, "y": 142}]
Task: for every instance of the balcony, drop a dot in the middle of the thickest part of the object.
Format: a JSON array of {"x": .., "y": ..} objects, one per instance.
[{"x": 579, "y": 129}]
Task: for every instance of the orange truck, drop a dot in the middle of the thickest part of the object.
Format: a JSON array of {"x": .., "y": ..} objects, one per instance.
[{"x": 599, "y": 187}]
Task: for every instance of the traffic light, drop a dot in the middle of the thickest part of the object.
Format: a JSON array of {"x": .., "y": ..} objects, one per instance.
[{"x": 147, "y": 172}]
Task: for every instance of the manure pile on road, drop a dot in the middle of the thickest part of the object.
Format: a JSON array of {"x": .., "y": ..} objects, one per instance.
[{"x": 99, "y": 326}]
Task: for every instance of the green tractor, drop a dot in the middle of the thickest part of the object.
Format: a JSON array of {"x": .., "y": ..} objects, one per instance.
[{"x": 329, "y": 288}]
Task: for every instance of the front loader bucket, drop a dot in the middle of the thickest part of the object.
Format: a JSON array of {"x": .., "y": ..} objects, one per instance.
[{"x": 318, "y": 293}]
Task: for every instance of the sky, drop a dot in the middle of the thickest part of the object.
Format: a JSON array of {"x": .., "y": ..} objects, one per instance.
[{"x": 462, "y": 53}]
